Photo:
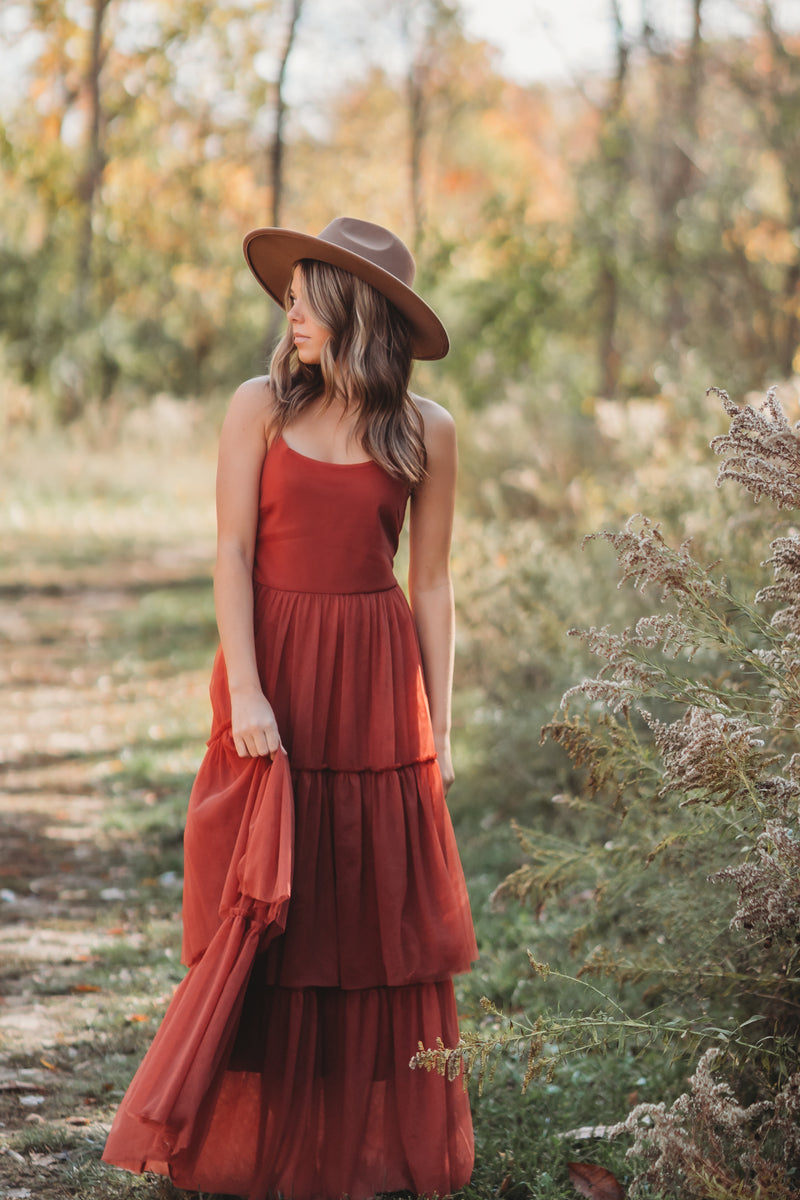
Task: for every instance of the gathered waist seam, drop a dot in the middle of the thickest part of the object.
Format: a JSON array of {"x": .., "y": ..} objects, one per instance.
[{"x": 325, "y": 591}]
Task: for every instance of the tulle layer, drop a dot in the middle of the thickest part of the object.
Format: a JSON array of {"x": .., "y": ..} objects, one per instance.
[
  {"x": 318, "y": 1101},
  {"x": 343, "y": 675},
  {"x": 300, "y": 1085},
  {"x": 378, "y": 895}
]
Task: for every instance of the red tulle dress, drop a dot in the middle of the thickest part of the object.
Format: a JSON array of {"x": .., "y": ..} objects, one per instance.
[{"x": 325, "y": 909}]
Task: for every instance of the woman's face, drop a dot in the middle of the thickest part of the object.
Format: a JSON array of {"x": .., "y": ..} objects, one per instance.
[{"x": 309, "y": 335}]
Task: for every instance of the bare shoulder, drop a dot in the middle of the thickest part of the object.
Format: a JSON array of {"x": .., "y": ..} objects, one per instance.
[
  {"x": 439, "y": 427},
  {"x": 253, "y": 402}
]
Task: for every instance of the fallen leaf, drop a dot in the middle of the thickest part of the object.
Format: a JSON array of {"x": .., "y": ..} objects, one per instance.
[
  {"x": 595, "y": 1182},
  {"x": 50, "y": 1066},
  {"x": 136, "y": 1017},
  {"x": 85, "y": 987},
  {"x": 78, "y": 1121},
  {"x": 586, "y": 1133},
  {"x": 48, "y": 1160}
]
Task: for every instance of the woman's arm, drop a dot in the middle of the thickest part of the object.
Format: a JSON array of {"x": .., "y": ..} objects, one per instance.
[
  {"x": 242, "y": 447},
  {"x": 429, "y": 584}
]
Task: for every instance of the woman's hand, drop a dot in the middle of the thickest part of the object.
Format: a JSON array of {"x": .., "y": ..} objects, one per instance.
[
  {"x": 442, "y": 744},
  {"x": 253, "y": 725},
  {"x": 242, "y": 447}
]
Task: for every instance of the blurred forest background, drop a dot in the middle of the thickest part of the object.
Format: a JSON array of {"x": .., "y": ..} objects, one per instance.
[
  {"x": 613, "y": 238},
  {"x": 602, "y": 250}
]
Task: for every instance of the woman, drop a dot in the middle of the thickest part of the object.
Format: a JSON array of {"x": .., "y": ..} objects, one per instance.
[{"x": 282, "y": 1066}]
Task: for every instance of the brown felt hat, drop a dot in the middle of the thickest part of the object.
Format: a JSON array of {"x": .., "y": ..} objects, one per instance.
[{"x": 369, "y": 251}]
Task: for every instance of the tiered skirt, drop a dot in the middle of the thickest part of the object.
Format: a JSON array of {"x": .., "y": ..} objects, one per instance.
[{"x": 310, "y": 1095}]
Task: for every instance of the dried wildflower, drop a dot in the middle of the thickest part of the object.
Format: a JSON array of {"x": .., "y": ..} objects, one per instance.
[
  {"x": 785, "y": 558},
  {"x": 539, "y": 968},
  {"x": 627, "y": 672},
  {"x": 709, "y": 756},
  {"x": 596, "y": 747},
  {"x": 741, "y": 720},
  {"x": 787, "y": 620},
  {"x": 780, "y": 672},
  {"x": 666, "y": 633},
  {"x": 707, "y": 1143},
  {"x": 785, "y": 561},
  {"x": 762, "y": 450},
  {"x": 785, "y": 1119},
  {"x": 783, "y": 661},
  {"x": 451, "y": 1061},
  {"x": 768, "y": 885},
  {"x": 778, "y": 794},
  {"x": 617, "y": 695},
  {"x": 646, "y": 559}
]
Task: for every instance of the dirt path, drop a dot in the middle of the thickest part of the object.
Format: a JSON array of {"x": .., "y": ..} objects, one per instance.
[{"x": 103, "y": 673}]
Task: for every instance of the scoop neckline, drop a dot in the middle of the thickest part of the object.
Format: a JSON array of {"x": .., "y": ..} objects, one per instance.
[{"x": 323, "y": 462}]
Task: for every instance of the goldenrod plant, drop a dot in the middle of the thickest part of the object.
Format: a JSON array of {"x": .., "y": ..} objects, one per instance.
[{"x": 680, "y": 878}]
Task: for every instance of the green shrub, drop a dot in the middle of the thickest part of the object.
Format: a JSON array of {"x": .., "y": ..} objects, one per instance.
[{"x": 677, "y": 879}]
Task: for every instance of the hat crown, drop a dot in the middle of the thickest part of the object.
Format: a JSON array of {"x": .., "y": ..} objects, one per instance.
[
  {"x": 375, "y": 243},
  {"x": 368, "y": 251}
]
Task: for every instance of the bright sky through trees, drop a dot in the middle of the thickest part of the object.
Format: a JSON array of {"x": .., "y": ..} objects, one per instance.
[
  {"x": 537, "y": 40},
  {"x": 560, "y": 39}
]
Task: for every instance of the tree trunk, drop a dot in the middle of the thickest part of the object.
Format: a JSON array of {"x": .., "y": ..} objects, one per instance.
[
  {"x": 679, "y": 172},
  {"x": 91, "y": 179},
  {"x": 276, "y": 153},
  {"x": 415, "y": 89},
  {"x": 276, "y": 157},
  {"x": 784, "y": 139},
  {"x": 425, "y": 25},
  {"x": 613, "y": 149}
]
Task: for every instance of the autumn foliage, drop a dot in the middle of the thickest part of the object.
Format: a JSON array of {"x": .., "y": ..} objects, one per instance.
[{"x": 602, "y": 238}]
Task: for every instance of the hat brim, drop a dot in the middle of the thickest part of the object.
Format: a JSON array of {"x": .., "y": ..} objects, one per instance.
[{"x": 272, "y": 253}]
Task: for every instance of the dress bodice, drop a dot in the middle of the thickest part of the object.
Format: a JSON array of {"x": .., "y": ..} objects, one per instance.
[{"x": 327, "y": 527}]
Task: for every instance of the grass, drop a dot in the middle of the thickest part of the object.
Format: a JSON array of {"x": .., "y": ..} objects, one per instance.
[{"x": 106, "y": 639}]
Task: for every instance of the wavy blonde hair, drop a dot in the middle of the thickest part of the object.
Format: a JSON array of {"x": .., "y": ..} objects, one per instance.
[{"x": 365, "y": 364}]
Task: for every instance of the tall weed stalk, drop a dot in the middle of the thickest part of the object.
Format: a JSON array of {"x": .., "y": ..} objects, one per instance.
[{"x": 681, "y": 870}]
